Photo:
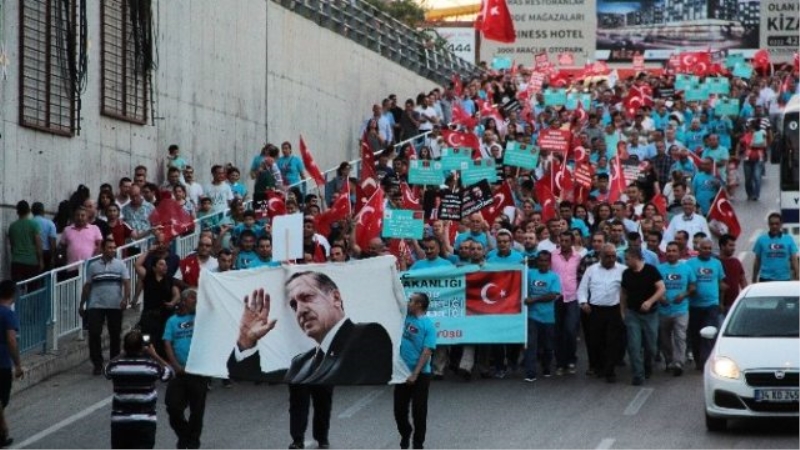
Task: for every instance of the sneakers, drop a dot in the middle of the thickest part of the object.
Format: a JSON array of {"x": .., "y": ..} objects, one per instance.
[
  {"x": 677, "y": 370},
  {"x": 404, "y": 442},
  {"x": 323, "y": 445},
  {"x": 571, "y": 369},
  {"x": 559, "y": 372},
  {"x": 546, "y": 373},
  {"x": 530, "y": 379},
  {"x": 690, "y": 357},
  {"x": 297, "y": 444},
  {"x": 500, "y": 374}
]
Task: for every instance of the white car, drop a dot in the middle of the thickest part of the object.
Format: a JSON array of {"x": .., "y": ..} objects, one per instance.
[{"x": 753, "y": 369}]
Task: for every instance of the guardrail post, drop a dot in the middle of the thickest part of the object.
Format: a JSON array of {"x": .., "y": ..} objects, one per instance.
[{"x": 52, "y": 332}]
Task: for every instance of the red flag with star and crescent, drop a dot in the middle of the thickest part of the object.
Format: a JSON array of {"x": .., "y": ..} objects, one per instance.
[
  {"x": 340, "y": 210},
  {"x": 617, "y": 181},
  {"x": 173, "y": 219},
  {"x": 494, "y": 21},
  {"x": 367, "y": 178},
  {"x": 722, "y": 211},
  {"x": 458, "y": 139},
  {"x": 546, "y": 199},
  {"x": 311, "y": 165},
  {"x": 370, "y": 219},
  {"x": 494, "y": 292},
  {"x": 410, "y": 197},
  {"x": 502, "y": 198}
]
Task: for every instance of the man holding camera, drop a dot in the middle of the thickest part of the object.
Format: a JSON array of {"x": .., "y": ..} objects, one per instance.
[{"x": 134, "y": 374}]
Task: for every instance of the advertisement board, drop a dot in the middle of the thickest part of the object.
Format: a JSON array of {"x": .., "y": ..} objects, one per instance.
[
  {"x": 780, "y": 28},
  {"x": 551, "y": 26},
  {"x": 460, "y": 41},
  {"x": 658, "y": 28}
]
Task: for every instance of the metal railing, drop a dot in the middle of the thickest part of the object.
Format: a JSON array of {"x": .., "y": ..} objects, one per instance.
[
  {"x": 372, "y": 28},
  {"x": 47, "y": 305}
]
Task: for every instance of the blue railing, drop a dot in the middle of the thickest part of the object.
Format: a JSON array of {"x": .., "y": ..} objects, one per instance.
[{"x": 33, "y": 307}]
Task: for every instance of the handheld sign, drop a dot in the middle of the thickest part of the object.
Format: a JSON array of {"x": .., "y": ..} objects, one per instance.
[
  {"x": 743, "y": 70},
  {"x": 555, "y": 97},
  {"x": 696, "y": 94},
  {"x": 475, "y": 171},
  {"x": 403, "y": 224},
  {"x": 425, "y": 173},
  {"x": 287, "y": 230},
  {"x": 452, "y": 158},
  {"x": 521, "y": 155},
  {"x": 718, "y": 85},
  {"x": 501, "y": 63}
]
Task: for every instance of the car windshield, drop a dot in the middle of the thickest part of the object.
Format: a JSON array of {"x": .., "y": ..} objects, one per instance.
[{"x": 765, "y": 317}]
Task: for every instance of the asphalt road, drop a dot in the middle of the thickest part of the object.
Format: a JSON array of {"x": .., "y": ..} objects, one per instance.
[{"x": 72, "y": 410}]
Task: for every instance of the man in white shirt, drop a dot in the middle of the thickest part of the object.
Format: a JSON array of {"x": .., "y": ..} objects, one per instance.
[
  {"x": 193, "y": 189},
  {"x": 219, "y": 191},
  {"x": 598, "y": 295},
  {"x": 689, "y": 222},
  {"x": 428, "y": 116},
  {"x": 384, "y": 125}
]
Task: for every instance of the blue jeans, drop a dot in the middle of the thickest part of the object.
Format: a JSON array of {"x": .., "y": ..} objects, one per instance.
[
  {"x": 566, "y": 330},
  {"x": 699, "y": 318},
  {"x": 540, "y": 339},
  {"x": 642, "y": 335},
  {"x": 752, "y": 178}
]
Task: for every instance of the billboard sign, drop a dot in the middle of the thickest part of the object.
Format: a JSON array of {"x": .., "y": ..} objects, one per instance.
[
  {"x": 780, "y": 28},
  {"x": 460, "y": 41}
]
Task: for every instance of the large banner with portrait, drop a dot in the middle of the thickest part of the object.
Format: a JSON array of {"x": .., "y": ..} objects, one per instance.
[
  {"x": 472, "y": 304},
  {"x": 335, "y": 324}
]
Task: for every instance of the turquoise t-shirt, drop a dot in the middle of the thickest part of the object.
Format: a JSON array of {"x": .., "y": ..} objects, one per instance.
[
  {"x": 541, "y": 284},
  {"x": 709, "y": 274},
  {"x": 291, "y": 169},
  {"x": 419, "y": 333},
  {"x": 245, "y": 259},
  {"x": 705, "y": 187},
  {"x": 258, "y": 262},
  {"x": 179, "y": 331},
  {"x": 514, "y": 257},
  {"x": 677, "y": 278},
  {"x": 478, "y": 237},
  {"x": 427, "y": 264},
  {"x": 775, "y": 253}
]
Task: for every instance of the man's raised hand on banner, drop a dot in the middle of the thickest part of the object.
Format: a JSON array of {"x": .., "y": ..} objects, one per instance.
[{"x": 255, "y": 322}]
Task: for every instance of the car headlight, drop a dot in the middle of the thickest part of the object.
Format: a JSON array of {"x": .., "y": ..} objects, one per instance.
[{"x": 725, "y": 368}]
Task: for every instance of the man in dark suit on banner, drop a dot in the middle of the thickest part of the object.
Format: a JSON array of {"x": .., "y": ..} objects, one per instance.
[{"x": 346, "y": 352}]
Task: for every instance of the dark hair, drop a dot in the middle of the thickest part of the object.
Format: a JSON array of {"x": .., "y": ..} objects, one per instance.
[
  {"x": 725, "y": 238},
  {"x": 23, "y": 208},
  {"x": 775, "y": 216},
  {"x": 673, "y": 243},
  {"x": 632, "y": 236},
  {"x": 173, "y": 169},
  {"x": 657, "y": 234},
  {"x": 323, "y": 282},
  {"x": 133, "y": 343},
  {"x": 7, "y": 289},
  {"x": 172, "y": 148},
  {"x": 125, "y": 180},
  {"x": 225, "y": 252},
  {"x": 246, "y": 233},
  {"x": 37, "y": 208},
  {"x": 423, "y": 299},
  {"x": 634, "y": 253}
]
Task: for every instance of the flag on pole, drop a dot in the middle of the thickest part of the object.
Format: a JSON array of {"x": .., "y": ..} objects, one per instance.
[
  {"x": 311, "y": 166},
  {"x": 722, "y": 211},
  {"x": 494, "y": 21}
]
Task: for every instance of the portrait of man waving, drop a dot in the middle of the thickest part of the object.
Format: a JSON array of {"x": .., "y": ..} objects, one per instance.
[{"x": 345, "y": 352}]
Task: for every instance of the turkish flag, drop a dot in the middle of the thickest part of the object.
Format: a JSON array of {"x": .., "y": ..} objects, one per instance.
[
  {"x": 660, "y": 202},
  {"x": 311, "y": 166},
  {"x": 581, "y": 116},
  {"x": 696, "y": 63},
  {"x": 562, "y": 180},
  {"x": 276, "y": 204},
  {"x": 460, "y": 116},
  {"x": 399, "y": 249},
  {"x": 494, "y": 20},
  {"x": 368, "y": 180},
  {"x": 410, "y": 197},
  {"x": 721, "y": 210},
  {"x": 370, "y": 220},
  {"x": 566, "y": 59},
  {"x": 172, "y": 218},
  {"x": 796, "y": 63},
  {"x": 458, "y": 86},
  {"x": 502, "y": 197},
  {"x": 560, "y": 79},
  {"x": 761, "y": 60},
  {"x": 458, "y": 139},
  {"x": 340, "y": 210},
  {"x": 494, "y": 293},
  {"x": 618, "y": 183},
  {"x": 546, "y": 199}
]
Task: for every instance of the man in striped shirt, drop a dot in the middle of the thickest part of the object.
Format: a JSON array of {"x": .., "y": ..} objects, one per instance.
[{"x": 133, "y": 409}]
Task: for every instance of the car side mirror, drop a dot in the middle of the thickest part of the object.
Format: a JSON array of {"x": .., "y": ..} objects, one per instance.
[{"x": 708, "y": 332}]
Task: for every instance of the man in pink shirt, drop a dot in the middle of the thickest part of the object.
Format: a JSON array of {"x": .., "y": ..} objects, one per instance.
[
  {"x": 81, "y": 239},
  {"x": 565, "y": 264}
]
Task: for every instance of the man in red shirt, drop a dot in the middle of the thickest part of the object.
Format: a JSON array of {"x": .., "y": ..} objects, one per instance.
[
  {"x": 734, "y": 272},
  {"x": 189, "y": 268}
]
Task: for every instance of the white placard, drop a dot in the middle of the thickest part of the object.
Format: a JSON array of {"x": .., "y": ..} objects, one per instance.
[
  {"x": 460, "y": 40},
  {"x": 287, "y": 237}
]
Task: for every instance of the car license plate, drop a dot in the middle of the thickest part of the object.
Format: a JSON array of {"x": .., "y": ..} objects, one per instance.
[{"x": 777, "y": 395}]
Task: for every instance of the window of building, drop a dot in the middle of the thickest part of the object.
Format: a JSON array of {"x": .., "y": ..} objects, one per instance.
[
  {"x": 51, "y": 67},
  {"x": 124, "y": 72}
]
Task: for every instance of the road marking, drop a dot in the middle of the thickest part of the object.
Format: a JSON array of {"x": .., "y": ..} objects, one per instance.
[
  {"x": 638, "y": 401},
  {"x": 362, "y": 402},
  {"x": 741, "y": 256},
  {"x": 66, "y": 422},
  {"x": 755, "y": 235},
  {"x": 605, "y": 444}
]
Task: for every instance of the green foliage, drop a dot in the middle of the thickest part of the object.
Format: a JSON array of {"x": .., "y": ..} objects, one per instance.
[{"x": 407, "y": 11}]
